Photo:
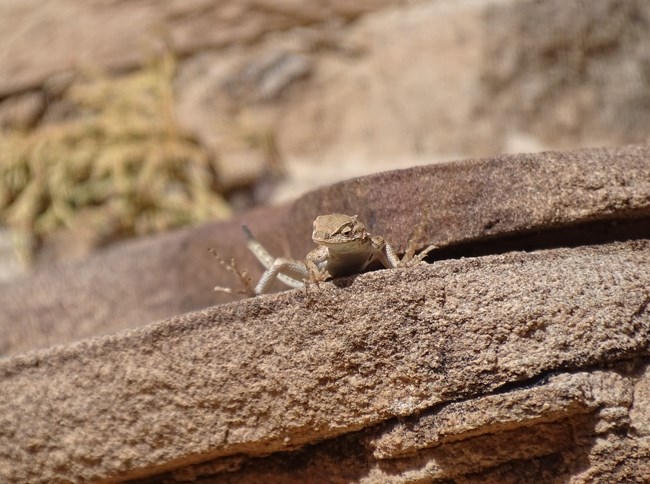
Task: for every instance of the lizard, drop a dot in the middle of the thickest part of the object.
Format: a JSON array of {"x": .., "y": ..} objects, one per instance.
[{"x": 344, "y": 247}]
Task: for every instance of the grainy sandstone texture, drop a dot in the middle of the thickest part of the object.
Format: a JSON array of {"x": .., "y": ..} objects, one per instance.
[
  {"x": 467, "y": 208},
  {"x": 520, "y": 355},
  {"x": 506, "y": 366},
  {"x": 280, "y": 371}
]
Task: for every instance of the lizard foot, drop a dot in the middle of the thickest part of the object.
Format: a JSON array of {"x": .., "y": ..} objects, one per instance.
[{"x": 242, "y": 275}]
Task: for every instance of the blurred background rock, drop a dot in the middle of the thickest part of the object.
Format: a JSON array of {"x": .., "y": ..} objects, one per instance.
[{"x": 119, "y": 119}]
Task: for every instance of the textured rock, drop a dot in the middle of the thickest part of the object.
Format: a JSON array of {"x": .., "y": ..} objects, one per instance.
[
  {"x": 277, "y": 372},
  {"x": 576, "y": 71},
  {"x": 341, "y": 89},
  {"x": 116, "y": 35},
  {"x": 125, "y": 287},
  {"x": 504, "y": 366},
  {"x": 467, "y": 208},
  {"x": 476, "y": 200},
  {"x": 583, "y": 436},
  {"x": 559, "y": 397}
]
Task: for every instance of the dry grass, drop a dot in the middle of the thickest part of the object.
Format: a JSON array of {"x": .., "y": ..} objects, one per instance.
[{"x": 120, "y": 165}]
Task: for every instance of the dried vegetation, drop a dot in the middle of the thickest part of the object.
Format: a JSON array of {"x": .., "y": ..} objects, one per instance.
[{"x": 119, "y": 164}]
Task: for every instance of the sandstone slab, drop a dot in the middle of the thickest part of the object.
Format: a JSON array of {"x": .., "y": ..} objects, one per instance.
[
  {"x": 277, "y": 372},
  {"x": 521, "y": 352},
  {"x": 470, "y": 207},
  {"x": 579, "y": 435}
]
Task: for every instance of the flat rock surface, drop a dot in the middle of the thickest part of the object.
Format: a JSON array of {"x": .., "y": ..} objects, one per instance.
[{"x": 279, "y": 371}]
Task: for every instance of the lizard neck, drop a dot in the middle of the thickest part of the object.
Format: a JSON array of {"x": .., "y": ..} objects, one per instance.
[{"x": 347, "y": 260}]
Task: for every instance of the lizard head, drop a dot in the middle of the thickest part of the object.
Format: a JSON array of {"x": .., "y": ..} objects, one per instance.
[{"x": 338, "y": 230}]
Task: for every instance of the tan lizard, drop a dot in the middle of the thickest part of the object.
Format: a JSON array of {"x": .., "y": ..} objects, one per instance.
[{"x": 344, "y": 247}]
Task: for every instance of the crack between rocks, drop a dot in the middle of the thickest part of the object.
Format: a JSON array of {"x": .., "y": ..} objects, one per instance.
[
  {"x": 596, "y": 232},
  {"x": 361, "y": 434}
]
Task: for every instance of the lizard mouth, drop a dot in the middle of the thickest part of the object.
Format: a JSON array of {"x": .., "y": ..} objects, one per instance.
[
  {"x": 339, "y": 241},
  {"x": 330, "y": 240}
]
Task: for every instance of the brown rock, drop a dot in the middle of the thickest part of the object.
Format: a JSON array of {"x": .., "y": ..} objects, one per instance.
[
  {"x": 274, "y": 373},
  {"x": 569, "y": 443},
  {"x": 115, "y": 35},
  {"x": 467, "y": 208},
  {"x": 507, "y": 365},
  {"x": 550, "y": 400},
  {"x": 22, "y": 112},
  {"x": 563, "y": 79},
  {"x": 124, "y": 287}
]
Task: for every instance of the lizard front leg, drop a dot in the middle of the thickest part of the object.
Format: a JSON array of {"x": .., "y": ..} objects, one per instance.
[
  {"x": 389, "y": 258},
  {"x": 410, "y": 256},
  {"x": 383, "y": 252},
  {"x": 316, "y": 263}
]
